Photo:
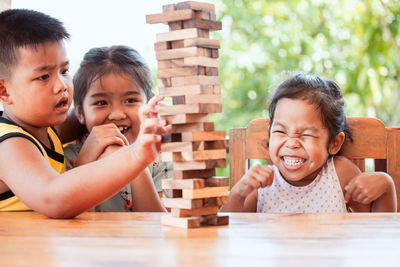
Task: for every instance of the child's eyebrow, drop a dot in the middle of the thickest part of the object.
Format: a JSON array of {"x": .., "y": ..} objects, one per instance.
[
  {"x": 50, "y": 67},
  {"x": 131, "y": 93}
]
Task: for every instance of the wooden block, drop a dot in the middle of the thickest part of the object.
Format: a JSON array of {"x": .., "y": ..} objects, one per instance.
[
  {"x": 201, "y": 80},
  {"x": 193, "y": 174},
  {"x": 215, "y": 201},
  {"x": 190, "y": 109},
  {"x": 177, "y": 44},
  {"x": 170, "y": 7},
  {"x": 206, "y": 192},
  {"x": 203, "y": 155},
  {"x": 207, "y": 145},
  {"x": 170, "y": 63},
  {"x": 211, "y": 71},
  {"x": 195, "y": 6},
  {"x": 214, "y": 53},
  {"x": 182, "y": 203},
  {"x": 195, "y": 127},
  {"x": 199, "y": 165},
  {"x": 194, "y": 212},
  {"x": 180, "y": 53},
  {"x": 189, "y": 89},
  {"x": 210, "y": 25},
  {"x": 176, "y": 147},
  {"x": 201, "y": 61},
  {"x": 172, "y": 193},
  {"x": 178, "y": 100},
  {"x": 171, "y": 156},
  {"x": 183, "y": 184},
  {"x": 184, "y": 71},
  {"x": 168, "y": 16},
  {"x": 175, "y": 25},
  {"x": 158, "y": 46},
  {"x": 164, "y": 82},
  {"x": 214, "y": 220},
  {"x": 168, "y": 138},
  {"x": 186, "y": 118},
  {"x": 202, "y": 14},
  {"x": 177, "y": 81},
  {"x": 187, "y": 222},
  {"x": 201, "y": 42},
  {"x": 182, "y": 34},
  {"x": 201, "y": 98},
  {"x": 217, "y": 181},
  {"x": 202, "y": 136}
]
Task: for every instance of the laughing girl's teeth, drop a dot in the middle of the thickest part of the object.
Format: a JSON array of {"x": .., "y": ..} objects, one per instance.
[
  {"x": 122, "y": 129},
  {"x": 290, "y": 161}
]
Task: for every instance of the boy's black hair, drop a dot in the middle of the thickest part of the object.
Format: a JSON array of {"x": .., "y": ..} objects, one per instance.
[
  {"x": 325, "y": 95},
  {"x": 24, "y": 28},
  {"x": 119, "y": 59}
]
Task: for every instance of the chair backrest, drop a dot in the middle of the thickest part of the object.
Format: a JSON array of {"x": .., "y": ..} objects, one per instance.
[{"x": 371, "y": 140}]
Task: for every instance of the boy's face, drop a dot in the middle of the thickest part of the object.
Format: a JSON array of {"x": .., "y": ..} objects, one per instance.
[
  {"x": 39, "y": 90},
  {"x": 298, "y": 143},
  {"x": 114, "y": 98}
]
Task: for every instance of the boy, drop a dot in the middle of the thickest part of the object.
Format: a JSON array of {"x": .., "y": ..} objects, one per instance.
[{"x": 36, "y": 92}]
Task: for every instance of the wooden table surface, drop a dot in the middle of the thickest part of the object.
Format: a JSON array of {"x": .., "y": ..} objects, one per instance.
[{"x": 138, "y": 239}]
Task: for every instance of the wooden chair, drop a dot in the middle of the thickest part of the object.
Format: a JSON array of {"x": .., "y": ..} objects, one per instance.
[{"x": 371, "y": 140}]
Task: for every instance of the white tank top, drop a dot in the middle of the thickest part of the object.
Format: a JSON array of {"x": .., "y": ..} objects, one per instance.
[{"x": 324, "y": 194}]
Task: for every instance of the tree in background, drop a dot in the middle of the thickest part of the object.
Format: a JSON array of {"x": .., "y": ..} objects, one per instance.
[{"x": 353, "y": 42}]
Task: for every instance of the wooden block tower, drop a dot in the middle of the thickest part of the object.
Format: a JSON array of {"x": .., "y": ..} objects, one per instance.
[{"x": 188, "y": 73}]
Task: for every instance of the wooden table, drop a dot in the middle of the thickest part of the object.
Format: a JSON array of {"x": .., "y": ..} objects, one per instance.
[{"x": 127, "y": 239}]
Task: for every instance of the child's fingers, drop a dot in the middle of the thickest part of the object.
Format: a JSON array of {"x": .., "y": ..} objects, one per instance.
[
  {"x": 350, "y": 187},
  {"x": 151, "y": 108},
  {"x": 153, "y": 125}
]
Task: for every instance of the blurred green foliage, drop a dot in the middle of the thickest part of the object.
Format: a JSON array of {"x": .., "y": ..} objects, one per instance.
[{"x": 353, "y": 42}]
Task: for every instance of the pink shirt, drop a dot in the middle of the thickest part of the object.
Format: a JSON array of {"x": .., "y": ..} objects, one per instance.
[{"x": 324, "y": 194}]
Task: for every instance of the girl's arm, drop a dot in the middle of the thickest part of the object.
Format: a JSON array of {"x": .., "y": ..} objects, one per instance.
[
  {"x": 375, "y": 189},
  {"x": 244, "y": 195},
  {"x": 365, "y": 192}
]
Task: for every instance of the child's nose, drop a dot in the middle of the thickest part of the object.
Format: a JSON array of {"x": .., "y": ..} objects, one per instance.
[
  {"x": 116, "y": 114},
  {"x": 60, "y": 85},
  {"x": 292, "y": 142}
]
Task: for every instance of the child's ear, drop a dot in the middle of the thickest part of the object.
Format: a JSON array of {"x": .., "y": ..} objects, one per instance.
[
  {"x": 4, "y": 95},
  {"x": 336, "y": 144},
  {"x": 79, "y": 115}
]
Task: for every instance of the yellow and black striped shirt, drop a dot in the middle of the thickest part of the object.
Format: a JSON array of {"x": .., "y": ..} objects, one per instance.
[{"x": 53, "y": 155}]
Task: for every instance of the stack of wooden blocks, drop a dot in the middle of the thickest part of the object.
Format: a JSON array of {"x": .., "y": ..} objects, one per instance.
[{"x": 188, "y": 73}]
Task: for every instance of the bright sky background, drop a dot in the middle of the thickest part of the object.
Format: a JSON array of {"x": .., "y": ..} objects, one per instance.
[{"x": 95, "y": 23}]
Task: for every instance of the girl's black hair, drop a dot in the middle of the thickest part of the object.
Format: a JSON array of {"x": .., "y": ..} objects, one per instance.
[
  {"x": 325, "y": 95},
  {"x": 119, "y": 59}
]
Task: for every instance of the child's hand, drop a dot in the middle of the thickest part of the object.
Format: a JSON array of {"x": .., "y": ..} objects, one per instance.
[
  {"x": 256, "y": 177},
  {"x": 366, "y": 187},
  {"x": 148, "y": 143},
  {"x": 98, "y": 140}
]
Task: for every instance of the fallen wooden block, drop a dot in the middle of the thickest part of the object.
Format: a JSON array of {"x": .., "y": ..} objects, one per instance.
[
  {"x": 187, "y": 222},
  {"x": 214, "y": 220}
]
